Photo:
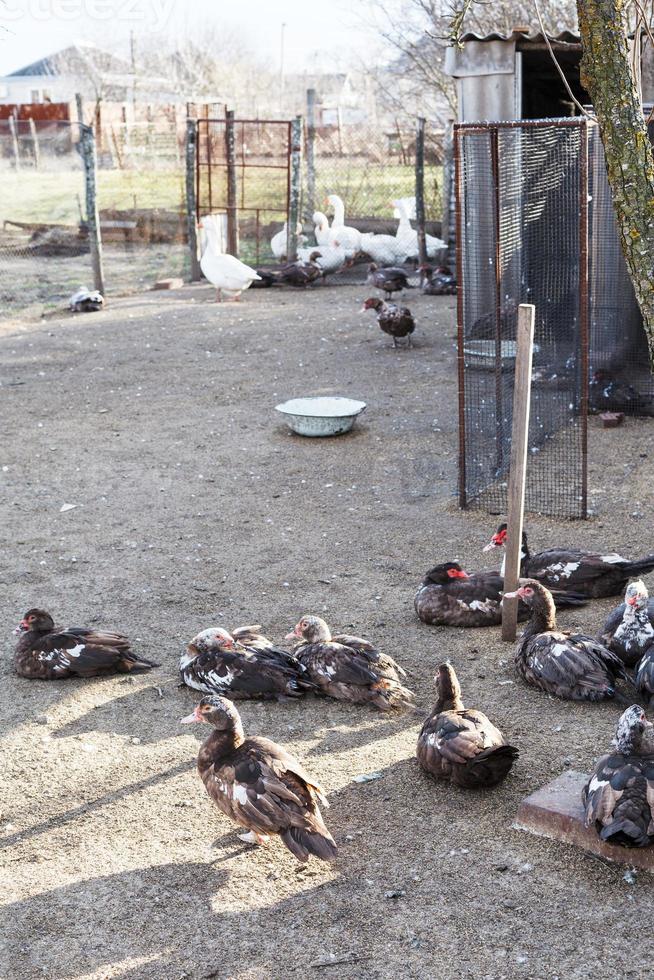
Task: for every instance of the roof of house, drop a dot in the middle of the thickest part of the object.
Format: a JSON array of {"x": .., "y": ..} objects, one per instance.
[
  {"x": 75, "y": 59},
  {"x": 523, "y": 36}
]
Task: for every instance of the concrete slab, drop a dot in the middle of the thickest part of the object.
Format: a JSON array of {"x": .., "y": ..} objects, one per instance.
[{"x": 555, "y": 811}]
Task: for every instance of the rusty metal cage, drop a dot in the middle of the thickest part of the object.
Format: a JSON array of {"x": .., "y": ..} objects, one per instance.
[{"x": 522, "y": 202}]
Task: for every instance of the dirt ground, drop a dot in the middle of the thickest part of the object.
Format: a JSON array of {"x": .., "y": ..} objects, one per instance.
[{"x": 194, "y": 506}]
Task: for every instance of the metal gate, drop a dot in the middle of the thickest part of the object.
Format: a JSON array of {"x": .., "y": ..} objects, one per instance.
[{"x": 243, "y": 170}]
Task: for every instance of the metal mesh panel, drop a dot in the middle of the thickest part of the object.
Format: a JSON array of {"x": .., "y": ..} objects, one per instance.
[
  {"x": 521, "y": 202},
  {"x": 620, "y": 375}
]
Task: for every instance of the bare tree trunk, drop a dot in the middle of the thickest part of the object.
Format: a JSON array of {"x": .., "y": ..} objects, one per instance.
[{"x": 607, "y": 76}]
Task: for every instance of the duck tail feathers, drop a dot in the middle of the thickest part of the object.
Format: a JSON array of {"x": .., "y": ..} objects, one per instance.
[
  {"x": 305, "y": 843},
  {"x": 489, "y": 767}
]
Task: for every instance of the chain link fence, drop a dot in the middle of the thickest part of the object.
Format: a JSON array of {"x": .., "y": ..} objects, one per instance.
[{"x": 44, "y": 240}]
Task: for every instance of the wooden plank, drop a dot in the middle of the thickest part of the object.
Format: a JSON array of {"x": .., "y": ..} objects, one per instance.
[
  {"x": 232, "y": 191},
  {"x": 420, "y": 193},
  {"x": 518, "y": 463},
  {"x": 294, "y": 189},
  {"x": 35, "y": 144},
  {"x": 87, "y": 142}
]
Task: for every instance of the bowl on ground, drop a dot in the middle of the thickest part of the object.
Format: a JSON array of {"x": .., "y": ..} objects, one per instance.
[{"x": 321, "y": 415}]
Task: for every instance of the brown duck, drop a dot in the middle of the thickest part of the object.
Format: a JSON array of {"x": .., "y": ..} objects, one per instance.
[
  {"x": 396, "y": 321},
  {"x": 461, "y": 744},
  {"x": 348, "y": 668},
  {"x": 48, "y": 652},
  {"x": 618, "y": 799},
  {"x": 566, "y": 664},
  {"x": 259, "y": 785}
]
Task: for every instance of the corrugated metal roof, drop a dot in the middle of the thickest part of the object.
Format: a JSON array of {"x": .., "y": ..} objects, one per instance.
[{"x": 565, "y": 37}]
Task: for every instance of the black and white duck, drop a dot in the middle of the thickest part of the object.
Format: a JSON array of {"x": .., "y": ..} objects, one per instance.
[
  {"x": 607, "y": 393},
  {"x": 629, "y": 629},
  {"x": 396, "y": 321},
  {"x": 644, "y": 675},
  {"x": 461, "y": 744},
  {"x": 48, "y": 652},
  {"x": 449, "y": 596},
  {"x": 588, "y": 573},
  {"x": 242, "y": 664},
  {"x": 348, "y": 668},
  {"x": 259, "y": 785},
  {"x": 389, "y": 279},
  {"x": 301, "y": 273},
  {"x": 439, "y": 281},
  {"x": 567, "y": 664},
  {"x": 618, "y": 799}
]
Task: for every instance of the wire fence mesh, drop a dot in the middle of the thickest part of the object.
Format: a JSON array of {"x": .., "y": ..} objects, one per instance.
[
  {"x": 521, "y": 203},
  {"x": 44, "y": 247},
  {"x": 620, "y": 375}
]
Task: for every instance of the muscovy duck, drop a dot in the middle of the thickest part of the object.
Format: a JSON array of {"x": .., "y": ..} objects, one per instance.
[
  {"x": 606, "y": 393},
  {"x": 619, "y": 797},
  {"x": 86, "y": 300},
  {"x": 329, "y": 258},
  {"x": 439, "y": 282},
  {"x": 569, "y": 665},
  {"x": 242, "y": 664},
  {"x": 348, "y": 668},
  {"x": 570, "y": 570},
  {"x": 390, "y": 280},
  {"x": 48, "y": 652},
  {"x": 259, "y": 785},
  {"x": 303, "y": 272},
  {"x": 396, "y": 321},
  {"x": 629, "y": 629},
  {"x": 449, "y": 596},
  {"x": 644, "y": 676},
  {"x": 461, "y": 744}
]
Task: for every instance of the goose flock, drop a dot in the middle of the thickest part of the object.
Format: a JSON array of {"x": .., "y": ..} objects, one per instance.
[
  {"x": 266, "y": 791},
  {"x": 337, "y": 246}
]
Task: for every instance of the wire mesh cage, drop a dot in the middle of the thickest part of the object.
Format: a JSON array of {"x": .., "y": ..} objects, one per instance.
[
  {"x": 620, "y": 375},
  {"x": 521, "y": 234}
]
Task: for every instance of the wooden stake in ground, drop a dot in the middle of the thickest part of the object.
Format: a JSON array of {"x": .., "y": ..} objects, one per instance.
[{"x": 518, "y": 470}]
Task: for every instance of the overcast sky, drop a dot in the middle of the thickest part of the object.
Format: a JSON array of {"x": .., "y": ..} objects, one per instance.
[{"x": 315, "y": 33}]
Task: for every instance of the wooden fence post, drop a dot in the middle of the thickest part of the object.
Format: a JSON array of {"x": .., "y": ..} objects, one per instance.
[
  {"x": 518, "y": 470},
  {"x": 230, "y": 157},
  {"x": 13, "y": 129},
  {"x": 294, "y": 189},
  {"x": 420, "y": 193},
  {"x": 310, "y": 152},
  {"x": 35, "y": 144},
  {"x": 191, "y": 203},
  {"x": 447, "y": 225}
]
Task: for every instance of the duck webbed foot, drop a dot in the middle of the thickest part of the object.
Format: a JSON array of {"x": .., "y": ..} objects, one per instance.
[{"x": 253, "y": 838}]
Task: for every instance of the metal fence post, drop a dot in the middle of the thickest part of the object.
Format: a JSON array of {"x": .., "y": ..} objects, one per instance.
[
  {"x": 191, "y": 219},
  {"x": 420, "y": 192},
  {"x": 230, "y": 157},
  {"x": 447, "y": 225},
  {"x": 87, "y": 140},
  {"x": 310, "y": 151},
  {"x": 294, "y": 191}
]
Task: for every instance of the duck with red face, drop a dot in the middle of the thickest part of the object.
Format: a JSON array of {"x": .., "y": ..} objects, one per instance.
[
  {"x": 450, "y": 596},
  {"x": 592, "y": 574},
  {"x": 562, "y": 662},
  {"x": 629, "y": 629}
]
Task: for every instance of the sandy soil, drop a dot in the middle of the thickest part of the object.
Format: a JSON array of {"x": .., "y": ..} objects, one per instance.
[{"x": 195, "y": 506}]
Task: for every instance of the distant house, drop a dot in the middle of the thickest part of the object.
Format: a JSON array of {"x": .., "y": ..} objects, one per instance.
[{"x": 95, "y": 74}]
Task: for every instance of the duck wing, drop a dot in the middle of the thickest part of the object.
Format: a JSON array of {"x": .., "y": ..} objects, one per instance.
[
  {"x": 370, "y": 652},
  {"x": 336, "y": 663},
  {"x": 240, "y": 674},
  {"x": 571, "y": 666},
  {"x": 619, "y": 799},
  {"x": 85, "y": 653},
  {"x": 265, "y": 788}
]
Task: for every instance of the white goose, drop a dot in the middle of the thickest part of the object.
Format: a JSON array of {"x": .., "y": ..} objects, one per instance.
[
  {"x": 228, "y": 274},
  {"x": 278, "y": 242},
  {"x": 407, "y": 237},
  {"x": 382, "y": 249},
  {"x": 321, "y": 228},
  {"x": 348, "y": 237}
]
